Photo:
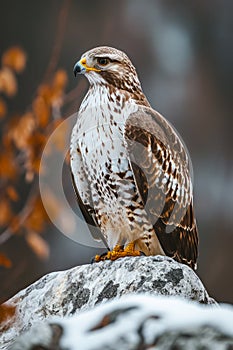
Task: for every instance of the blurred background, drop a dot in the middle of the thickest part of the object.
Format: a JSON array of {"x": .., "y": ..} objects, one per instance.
[{"x": 184, "y": 57}]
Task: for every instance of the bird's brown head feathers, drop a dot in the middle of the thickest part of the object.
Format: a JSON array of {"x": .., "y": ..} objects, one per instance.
[{"x": 107, "y": 65}]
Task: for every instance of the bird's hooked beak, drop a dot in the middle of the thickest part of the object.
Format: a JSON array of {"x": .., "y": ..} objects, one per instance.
[{"x": 81, "y": 67}]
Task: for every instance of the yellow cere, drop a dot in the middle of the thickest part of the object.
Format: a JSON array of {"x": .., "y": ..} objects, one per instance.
[{"x": 84, "y": 64}]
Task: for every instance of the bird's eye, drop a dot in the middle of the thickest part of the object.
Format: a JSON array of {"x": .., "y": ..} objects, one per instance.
[{"x": 102, "y": 61}]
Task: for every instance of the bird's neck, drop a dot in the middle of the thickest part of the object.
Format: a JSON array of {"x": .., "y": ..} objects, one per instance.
[{"x": 103, "y": 93}]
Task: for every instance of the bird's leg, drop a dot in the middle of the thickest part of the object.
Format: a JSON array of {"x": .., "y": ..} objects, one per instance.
[{"x": 119, "y": 252}]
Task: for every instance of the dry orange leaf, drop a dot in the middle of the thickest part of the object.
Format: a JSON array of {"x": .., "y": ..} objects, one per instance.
[
  {"x": 12, "y": 194},
  {"x": 29, "y": 176},
  {"x": 35, "y": 165},
  {"x": 15, "y": 58},
  {"x": 37, "y": 141},
  {"x": 38, "y": 245},
  {"x": 36, "y": 220},
  {"x": 36, "y": 145},
  {"x": 3, "y": 108},
  {"x": 6, "y": 313},
  {"x": 60, "y": 79},
  {"x": 8, "y": 83},
  {"x": 22, "y": 130},
  {"x": 45, "y": 91},
  {"x": 8, "y": 168},
  {"x": 5, "y": 261},
  {"x": 41, "y": 111},
  {"x": 5, "y": 212},
  {"x": 58, "y": 86}
]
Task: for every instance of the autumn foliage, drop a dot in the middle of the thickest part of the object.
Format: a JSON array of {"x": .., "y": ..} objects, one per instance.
[
  {"x": 22, "y": 142},
  {"x": 7, "y": 313}
]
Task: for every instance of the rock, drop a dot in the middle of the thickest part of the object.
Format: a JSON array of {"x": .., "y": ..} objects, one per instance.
[
  {"x": 134, "y": 323},
  {"x": 67, "y": 292}
]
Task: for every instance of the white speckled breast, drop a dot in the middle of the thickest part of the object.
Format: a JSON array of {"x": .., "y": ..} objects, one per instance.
[{"x": 98, "y": 156}]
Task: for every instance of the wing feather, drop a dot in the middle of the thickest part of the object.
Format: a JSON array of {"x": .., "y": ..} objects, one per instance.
[{"x": 161, "y": 168}]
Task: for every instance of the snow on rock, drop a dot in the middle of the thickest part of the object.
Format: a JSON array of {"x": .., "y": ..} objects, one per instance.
[
  {"x": 67, "y": 292},
  {"x": 136, "y": 322}
]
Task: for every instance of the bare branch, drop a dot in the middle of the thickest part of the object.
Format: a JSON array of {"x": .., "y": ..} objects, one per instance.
[{"x": 62, "y": 20}]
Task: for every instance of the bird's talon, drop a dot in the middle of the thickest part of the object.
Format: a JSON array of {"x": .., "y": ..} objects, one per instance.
[{"x": 119, "y": 252}]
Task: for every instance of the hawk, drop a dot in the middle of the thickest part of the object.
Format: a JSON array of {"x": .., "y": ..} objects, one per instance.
[{"x": 130, "y": 169}]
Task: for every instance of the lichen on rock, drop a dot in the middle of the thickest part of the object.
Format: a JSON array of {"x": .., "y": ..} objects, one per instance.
[
  {"x": 66, "y": 293},
  {"x": 136, "y": 322}
]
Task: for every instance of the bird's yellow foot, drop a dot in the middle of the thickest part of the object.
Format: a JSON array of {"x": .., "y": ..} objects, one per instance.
[{"x": 119, "y": 252}]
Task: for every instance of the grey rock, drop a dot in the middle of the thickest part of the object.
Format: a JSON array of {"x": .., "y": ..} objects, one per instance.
[
  {"x": 136, "y": 322},
  {"x": 67, "y": 292}
]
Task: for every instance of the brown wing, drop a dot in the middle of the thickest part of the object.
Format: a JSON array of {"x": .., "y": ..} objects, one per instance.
[{"x": 161, "y": 170}]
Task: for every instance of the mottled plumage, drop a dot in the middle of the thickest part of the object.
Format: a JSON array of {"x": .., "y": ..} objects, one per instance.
[{"x": 130, "y": 169}]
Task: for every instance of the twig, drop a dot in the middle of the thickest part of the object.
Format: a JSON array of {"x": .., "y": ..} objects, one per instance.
[
  {"x": 63, "y": 15},
  {"x": 25, "y": 212}
]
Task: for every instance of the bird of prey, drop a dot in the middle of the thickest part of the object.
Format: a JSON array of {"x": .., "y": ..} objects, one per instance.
[{"x": 130, "y": 169}]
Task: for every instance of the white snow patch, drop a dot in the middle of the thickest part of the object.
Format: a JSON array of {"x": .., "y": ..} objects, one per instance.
[{"x": 172, "y": 314}]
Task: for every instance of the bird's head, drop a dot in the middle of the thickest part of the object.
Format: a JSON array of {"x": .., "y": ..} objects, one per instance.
[{"x": 104, "y": 64}]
